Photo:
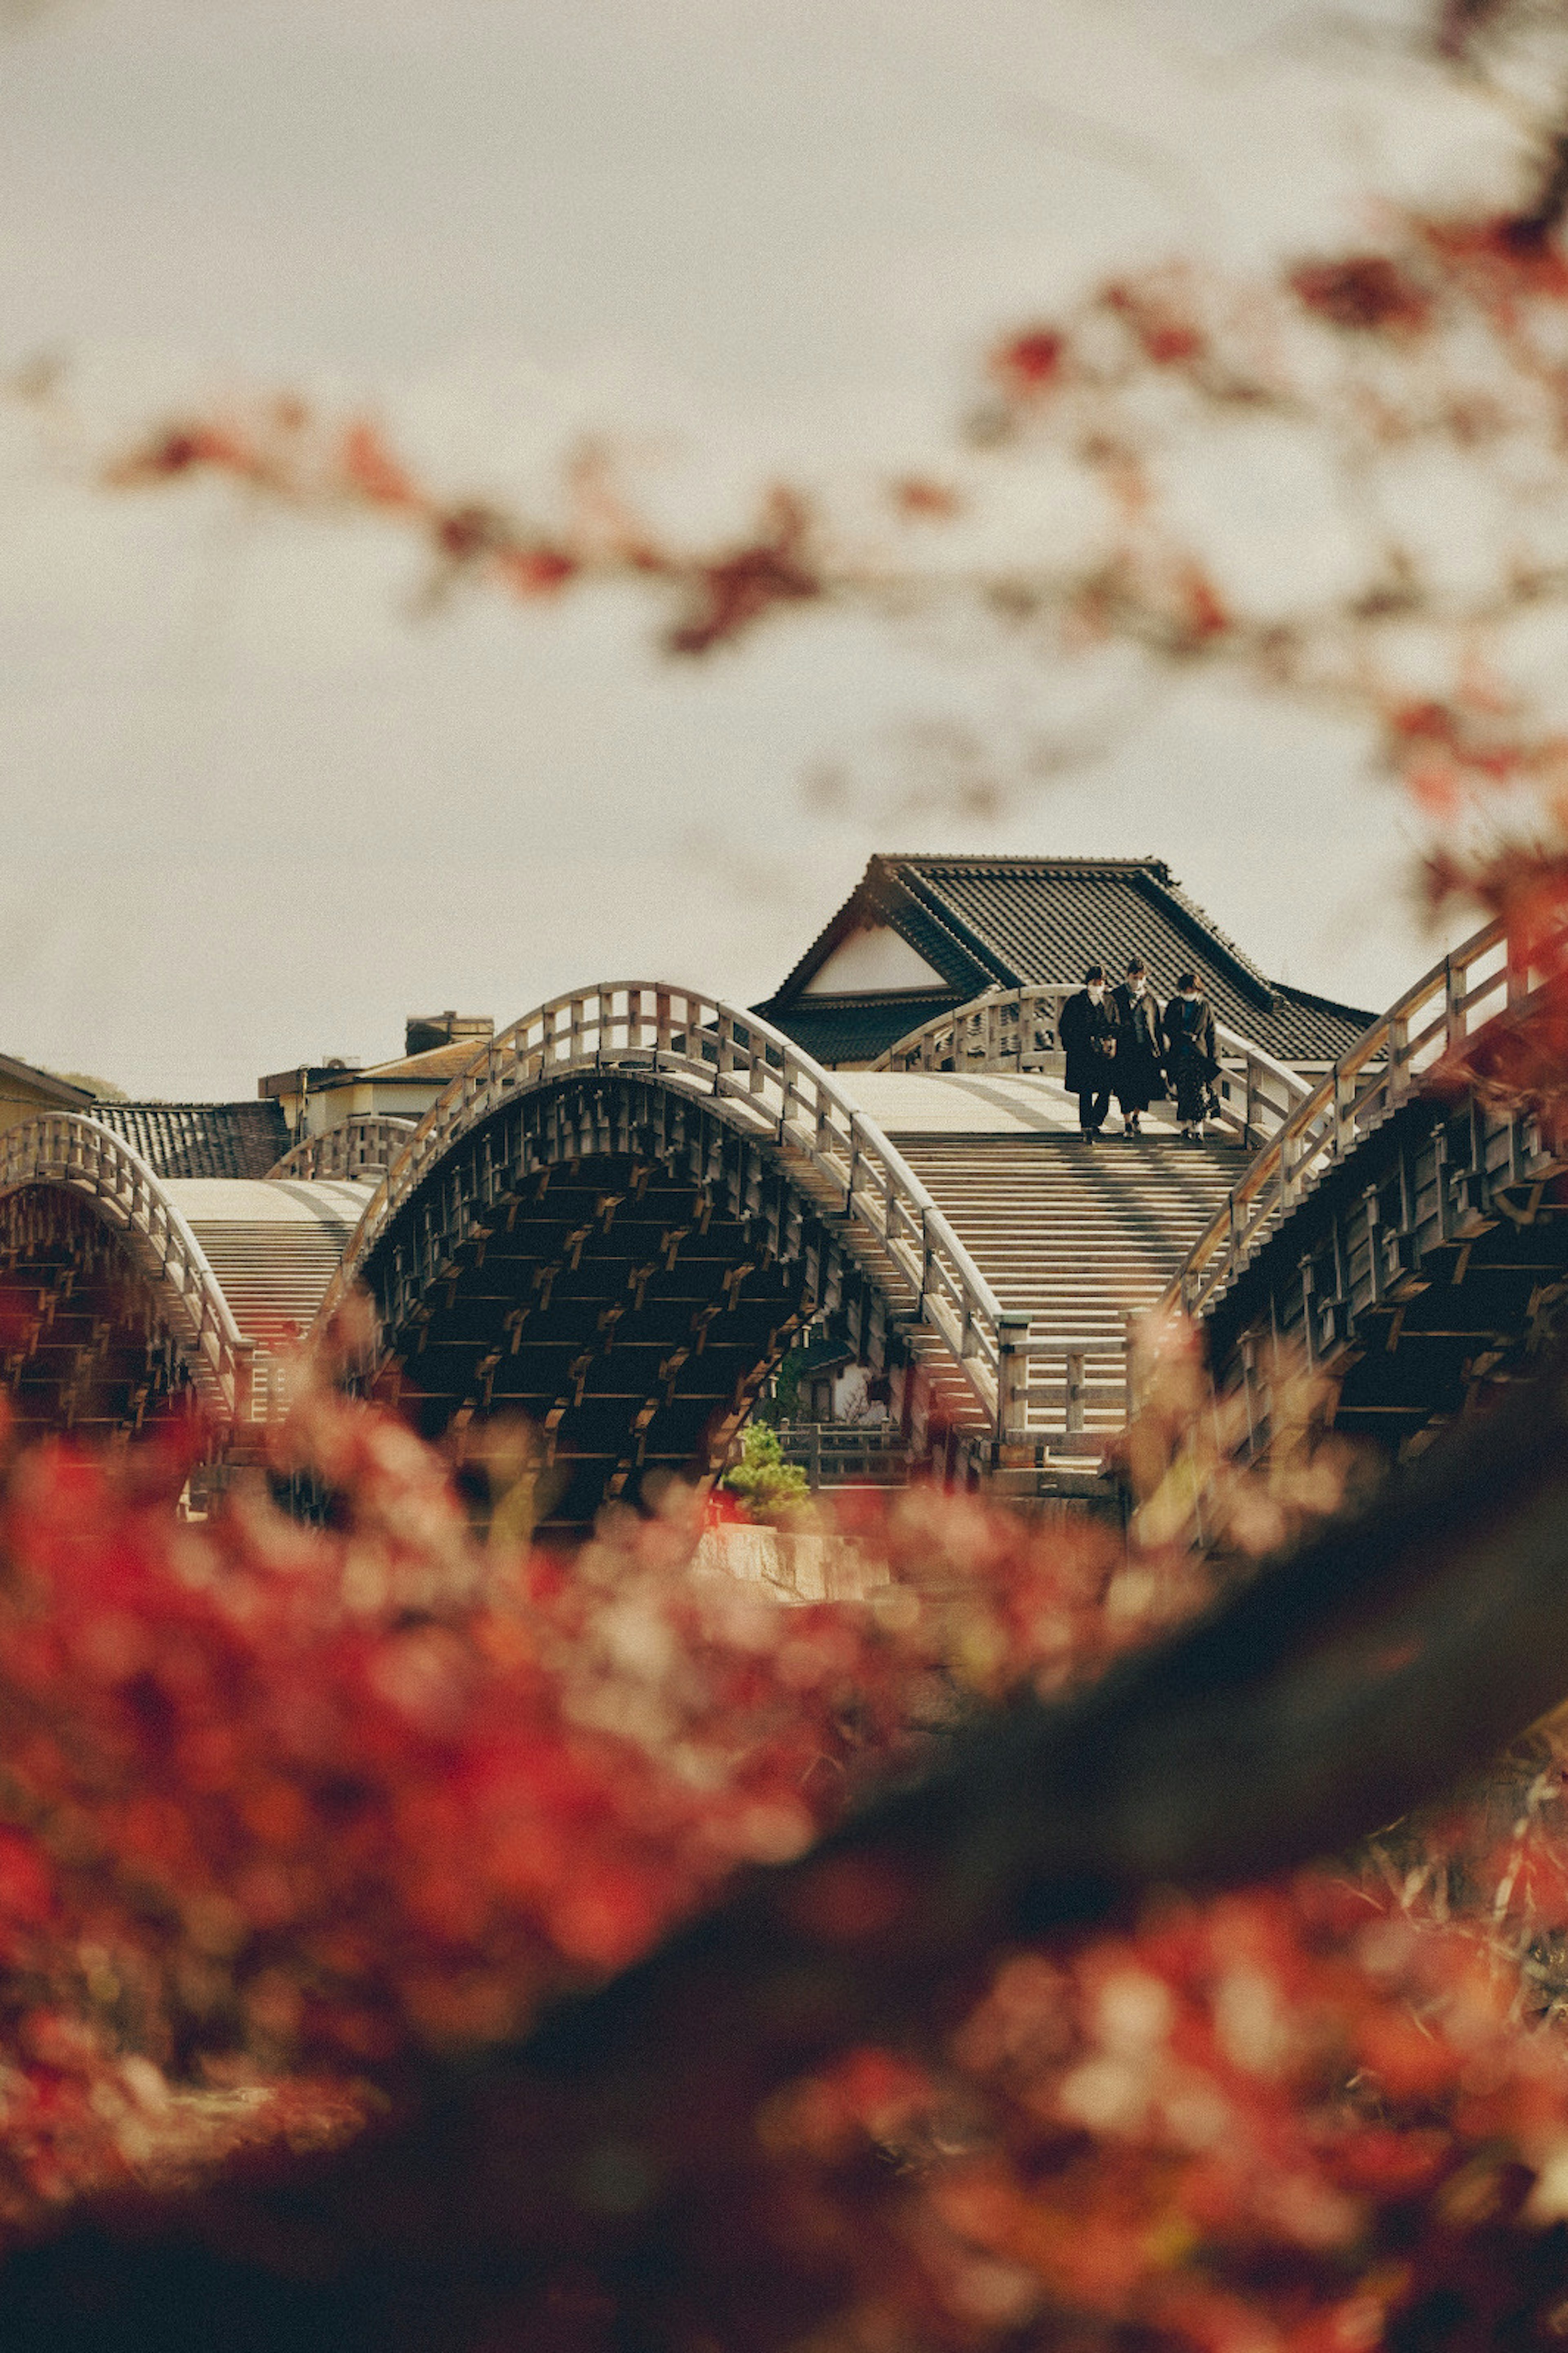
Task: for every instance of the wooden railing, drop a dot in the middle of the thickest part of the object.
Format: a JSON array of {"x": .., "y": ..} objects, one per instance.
[
  {"x": 1069, "y": 1396},
  {"x": 364, "y": 1146},
  {"x": 766, "y": 1084},
  {"x": 1019, "y": 1029},
  {"x": 847, "y": 1453},
  {"x": 1004, "y": 1029},
  {"x": 64, "y": 1148},
  {"x": 1386, "y": 1065}
]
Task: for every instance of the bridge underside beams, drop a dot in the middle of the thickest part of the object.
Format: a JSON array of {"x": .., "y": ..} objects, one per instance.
[
  {"x": 1428, "y": 1269},
  {"x": 618, "y": 1264},
  {"x": 82, "y": 1345}
]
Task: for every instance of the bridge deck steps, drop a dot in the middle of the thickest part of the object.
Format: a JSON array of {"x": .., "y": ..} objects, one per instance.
[
  {"x": 1079, "y": 1237},
  {"x": 274, "y": 1249}
]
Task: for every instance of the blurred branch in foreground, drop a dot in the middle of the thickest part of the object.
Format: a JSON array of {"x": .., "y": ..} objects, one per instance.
[
  {"x": 609, "y": 2186},
  {"x": 1405, "y": 398}
]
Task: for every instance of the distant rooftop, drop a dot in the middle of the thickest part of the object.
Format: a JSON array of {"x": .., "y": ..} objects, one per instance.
[
  {"x": 436, "y": 1046},
  {"x": 23, "y": 1081},
  {"x": 233, "y": 1139}
]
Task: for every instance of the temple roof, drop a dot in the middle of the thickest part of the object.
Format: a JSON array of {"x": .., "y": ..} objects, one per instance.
[{"x": 919, "y": 934}]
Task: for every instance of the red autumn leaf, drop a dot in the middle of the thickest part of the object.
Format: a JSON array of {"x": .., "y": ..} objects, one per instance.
[
  {"x": 1362, "y": 294},
  {"x": 1027, "y": 365},
  {"x": 920, "y": 499},
  {"x": 536, "y": 571},
  {"x": 373, "y": 471},
  {"x": 1167, "y": 335},
  {"x": 1204, "y": 612}
]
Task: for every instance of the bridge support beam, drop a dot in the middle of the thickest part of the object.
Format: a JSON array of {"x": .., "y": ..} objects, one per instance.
[
  {"x": 615, "y": 1263},
  {"x": 1428, "y": 1267}
]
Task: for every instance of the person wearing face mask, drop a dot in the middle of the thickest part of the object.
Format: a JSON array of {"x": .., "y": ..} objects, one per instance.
[
  {"x": 1088, "y": 1035},
  {"x": 1139, "y": 1056},
  {"x": 1188, "y": 1036}
]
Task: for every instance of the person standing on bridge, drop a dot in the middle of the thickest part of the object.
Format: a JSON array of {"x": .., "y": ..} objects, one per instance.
[
  {"x": 1088, "y": 1035},
  {"x": 1139, "y": 1056},
  {"x": 1187, "y": 1034}
]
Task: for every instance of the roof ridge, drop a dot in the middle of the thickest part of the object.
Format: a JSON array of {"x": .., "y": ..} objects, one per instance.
[
  {"x": 961, "y": 934},
  {"x": 1323, "y": 1004},
  {"x": 1201, "y": 915},
  {"x": 1033, "y": 858}
]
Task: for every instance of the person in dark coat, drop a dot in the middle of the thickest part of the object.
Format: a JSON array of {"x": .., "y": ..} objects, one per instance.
[
  {"x": 1187, "y": 1034},
  {"x": 1089, "y": 1038},
  {"x": 1140, "y": 1056}
]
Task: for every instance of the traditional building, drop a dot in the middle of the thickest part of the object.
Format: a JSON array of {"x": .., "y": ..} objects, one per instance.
[
  {"x": 436, "y": 1048},
  {"x": 27, "y": 1093},
  {"x": 234, "y": 1139},
  {"x": 919, "y": 936}
]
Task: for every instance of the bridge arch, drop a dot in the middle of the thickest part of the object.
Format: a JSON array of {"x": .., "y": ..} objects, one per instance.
[
  {"x": 1403, "y": 1229},
  {"x": 67, "y": 1187},
  {"x": 118, "y": 1286},
  {"x": 622, "y": 1213}
]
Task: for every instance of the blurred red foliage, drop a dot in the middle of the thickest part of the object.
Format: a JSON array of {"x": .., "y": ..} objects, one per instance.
[
  {"x": 1364, "y": 294},
  {"x": 287, "y": 1806},
  {"x": 286, "y": 1809},
  {"x": 287, "y": 1799}
]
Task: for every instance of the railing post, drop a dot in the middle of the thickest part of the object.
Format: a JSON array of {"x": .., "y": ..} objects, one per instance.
[
  {"x": 814, "y": 1456},
  {"x": 1012, "y": 1376},
  {"x": 1453, "y": 1003},
  {"x": 1075, "y": 1396},
  {"x": 1398, "y": 1081}
]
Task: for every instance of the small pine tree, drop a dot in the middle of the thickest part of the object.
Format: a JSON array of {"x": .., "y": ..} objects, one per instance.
[{"x": 770, "y": 1487}]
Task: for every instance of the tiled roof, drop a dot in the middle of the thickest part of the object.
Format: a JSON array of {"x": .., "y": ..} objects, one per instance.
[
  {"x": 857, "y": 1029},
  {"x": 1302, "y": 1028},
  {"x": 1044, "y": 918},
  {"x": 437, "y": 1064},
  {"x": 234, "y": 1139},
  {"x": 1008, "y": 922}
]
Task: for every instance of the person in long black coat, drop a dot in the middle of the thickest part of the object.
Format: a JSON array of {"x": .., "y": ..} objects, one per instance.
[
  {"x": 1140, "y": 1056},
  {"x": 1089, "y": 1036},
  {"x": 1188, "y": 1033}
]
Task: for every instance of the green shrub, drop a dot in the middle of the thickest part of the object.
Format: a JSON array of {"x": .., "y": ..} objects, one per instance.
[{"x": 762, "y": 1479}]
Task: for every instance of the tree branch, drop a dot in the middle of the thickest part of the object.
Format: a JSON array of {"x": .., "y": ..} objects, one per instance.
[{"x": 1376, "y": 1667}]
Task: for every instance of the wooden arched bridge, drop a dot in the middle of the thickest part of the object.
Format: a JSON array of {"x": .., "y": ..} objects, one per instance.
[{"x": 634, "y": 1201}]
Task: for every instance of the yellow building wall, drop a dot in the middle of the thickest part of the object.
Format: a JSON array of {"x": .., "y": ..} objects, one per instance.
[{"x": 19, "y": 1102}]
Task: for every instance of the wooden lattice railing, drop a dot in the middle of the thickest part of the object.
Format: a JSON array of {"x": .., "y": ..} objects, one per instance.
[
  {"x": 365, "y": 1145},
  {"x": 1019, "y": 1029},
  {"x": 765, "y": 1084},
  {"x": 65, "y": 1148},
  {"x": 1388, "y": 1063}
]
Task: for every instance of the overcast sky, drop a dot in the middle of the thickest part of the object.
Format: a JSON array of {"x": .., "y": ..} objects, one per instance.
[{"x": 258, "y": 810}]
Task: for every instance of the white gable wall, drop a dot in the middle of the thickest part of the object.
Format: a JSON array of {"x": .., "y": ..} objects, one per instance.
[{"x": 870, "y": 962}]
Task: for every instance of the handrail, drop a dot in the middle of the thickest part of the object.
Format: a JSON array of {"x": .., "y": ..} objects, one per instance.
[
  {"x": 1019, "y": 1029},
  {"x": 68, "y": 1148},
  {"x": 1014, "y": 1029},
  {"x": 1384, "y": 1067},
  {"x": 763, "y": 1082},
  {"x": 366, "y": 1145}
]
